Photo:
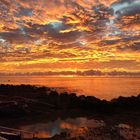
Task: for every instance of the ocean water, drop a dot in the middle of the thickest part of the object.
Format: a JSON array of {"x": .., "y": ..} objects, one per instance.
[{"x": 100, "y": 87}]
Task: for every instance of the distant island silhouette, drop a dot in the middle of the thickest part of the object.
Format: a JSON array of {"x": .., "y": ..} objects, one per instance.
[{"x": 91, "y": 72}]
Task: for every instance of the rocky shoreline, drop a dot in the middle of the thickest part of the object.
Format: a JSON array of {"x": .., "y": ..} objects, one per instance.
[{"x": 26, "y": 102}]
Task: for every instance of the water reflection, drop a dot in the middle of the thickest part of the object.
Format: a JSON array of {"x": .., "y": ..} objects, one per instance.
[
  {"x": 101, "y": 87},
  {"x": 84, "y": 128},
  {"x": 44, "y": 130}
]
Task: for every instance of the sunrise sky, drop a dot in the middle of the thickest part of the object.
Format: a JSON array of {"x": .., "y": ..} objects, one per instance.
[{"x": 62, "y": 35}]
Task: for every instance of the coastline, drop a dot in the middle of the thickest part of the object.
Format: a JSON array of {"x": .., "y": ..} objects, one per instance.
[
  {"x": 30, "y": 104},
  {"x": 100, "y": 87}
]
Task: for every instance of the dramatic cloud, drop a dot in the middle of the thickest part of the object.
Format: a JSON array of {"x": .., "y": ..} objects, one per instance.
[{"x": 42, "y": 35}]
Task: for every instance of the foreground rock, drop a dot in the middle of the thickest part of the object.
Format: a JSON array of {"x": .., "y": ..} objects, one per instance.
[
  {"x": 120, "y": 132},
  {"x": 26, "y": 102},
  {"x": 31, "y": 99}
]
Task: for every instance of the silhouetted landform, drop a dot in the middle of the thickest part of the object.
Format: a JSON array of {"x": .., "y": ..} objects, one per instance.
[
  {"x": 79, "y": 73},
  {"x": 26, "y": 101},
  {"x": 21, "y": 100}
]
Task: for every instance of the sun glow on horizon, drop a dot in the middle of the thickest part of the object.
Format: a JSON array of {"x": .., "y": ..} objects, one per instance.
[{"x": 70, "y": 35}]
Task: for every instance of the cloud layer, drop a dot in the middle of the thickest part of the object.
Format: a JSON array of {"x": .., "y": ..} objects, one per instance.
[{"x": 69, "y": 34}]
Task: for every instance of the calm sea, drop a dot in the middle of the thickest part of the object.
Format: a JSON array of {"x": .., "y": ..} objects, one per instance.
[{"x": 101, "y": 87}]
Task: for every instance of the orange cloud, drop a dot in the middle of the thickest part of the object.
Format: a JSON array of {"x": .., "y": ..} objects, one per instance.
[{"x": 69, "y": 34}]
